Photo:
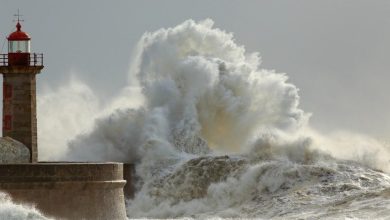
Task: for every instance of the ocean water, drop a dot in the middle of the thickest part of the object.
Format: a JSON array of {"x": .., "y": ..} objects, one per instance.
[
  {"x": 213, "y": 135},
  {"x": 242, "y": 187}
]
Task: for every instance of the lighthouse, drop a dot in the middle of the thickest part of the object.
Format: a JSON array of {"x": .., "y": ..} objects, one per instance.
[{"x": 19, "y": 68}]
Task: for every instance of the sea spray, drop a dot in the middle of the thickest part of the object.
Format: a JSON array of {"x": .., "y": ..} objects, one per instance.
[
  {"x": 12, "y": 211},
  {"x": 62, "y": 114},
  {"x": 216, "y": 135},
  {"x": 200, "y": 89}
]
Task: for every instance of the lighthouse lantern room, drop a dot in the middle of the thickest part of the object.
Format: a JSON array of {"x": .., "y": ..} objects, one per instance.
[{"x": 18, "y": 47}]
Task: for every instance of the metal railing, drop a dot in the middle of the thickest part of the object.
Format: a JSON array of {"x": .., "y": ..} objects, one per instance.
[
  {"x": 34, "y": 59},
  {"x": 3, "y": 59}
]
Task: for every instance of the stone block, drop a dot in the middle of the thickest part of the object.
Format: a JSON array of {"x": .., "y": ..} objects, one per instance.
[{"x": 13, "y": 151}]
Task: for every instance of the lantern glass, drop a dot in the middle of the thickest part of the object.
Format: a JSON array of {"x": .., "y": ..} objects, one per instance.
[{"x": 19, "y": 46}]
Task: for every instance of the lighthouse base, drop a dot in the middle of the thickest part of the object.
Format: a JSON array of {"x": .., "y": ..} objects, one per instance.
[{"x": 67, "y": 190}]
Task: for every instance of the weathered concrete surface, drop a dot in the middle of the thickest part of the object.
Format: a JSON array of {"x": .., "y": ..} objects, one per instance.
[
  {"x": 67, "y": 190},
  {"x": 12, "y": 151}
]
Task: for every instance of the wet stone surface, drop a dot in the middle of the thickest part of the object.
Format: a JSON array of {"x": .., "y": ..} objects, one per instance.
[{"x": 12, "y": 151}]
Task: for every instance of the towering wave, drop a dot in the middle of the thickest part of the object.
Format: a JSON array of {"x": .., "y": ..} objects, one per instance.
[
  {"x": 201, "y": 90},
  {"x": 213, "y": 134}
]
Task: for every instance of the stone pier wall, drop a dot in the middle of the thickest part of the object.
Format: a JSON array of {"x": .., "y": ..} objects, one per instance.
[{"x": 67, "y": 190}]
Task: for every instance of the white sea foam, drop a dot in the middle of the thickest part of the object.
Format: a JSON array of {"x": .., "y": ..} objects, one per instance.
[{"x": 12, "y": 211}]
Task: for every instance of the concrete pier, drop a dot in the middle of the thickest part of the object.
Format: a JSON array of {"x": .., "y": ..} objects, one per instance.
[{"x": 67, "y": 190}]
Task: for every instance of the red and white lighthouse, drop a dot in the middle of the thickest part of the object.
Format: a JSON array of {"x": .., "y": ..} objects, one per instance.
[{"x": 19, "y": 68}]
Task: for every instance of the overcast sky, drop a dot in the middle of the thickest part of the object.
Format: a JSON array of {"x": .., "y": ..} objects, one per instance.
[{"x": 336, "y": 51}]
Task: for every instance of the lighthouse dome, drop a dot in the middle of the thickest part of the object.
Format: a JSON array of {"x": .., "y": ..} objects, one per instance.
[{"x": 18, "y": 35}]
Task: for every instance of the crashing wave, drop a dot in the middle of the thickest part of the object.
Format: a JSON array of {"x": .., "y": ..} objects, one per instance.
[{"x": 205, "y": 97}]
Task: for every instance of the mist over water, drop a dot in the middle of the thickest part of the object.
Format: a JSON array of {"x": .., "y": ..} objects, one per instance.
[{"x": 213, "y": 134}]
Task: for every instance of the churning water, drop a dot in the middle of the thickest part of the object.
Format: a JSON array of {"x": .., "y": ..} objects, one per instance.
[{"x": 215, "y": 136}]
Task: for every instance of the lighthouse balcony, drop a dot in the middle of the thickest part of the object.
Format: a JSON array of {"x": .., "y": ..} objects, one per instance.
[{"x": 21, "y": 59}]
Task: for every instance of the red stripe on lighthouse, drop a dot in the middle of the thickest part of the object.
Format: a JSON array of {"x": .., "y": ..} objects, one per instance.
[
  {"x": 7, "y": 91},
  {"x": 7, "y": 122}
]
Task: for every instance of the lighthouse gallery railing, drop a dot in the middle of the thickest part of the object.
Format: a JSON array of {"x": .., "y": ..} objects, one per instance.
[{"x": 35, "y": 59}]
